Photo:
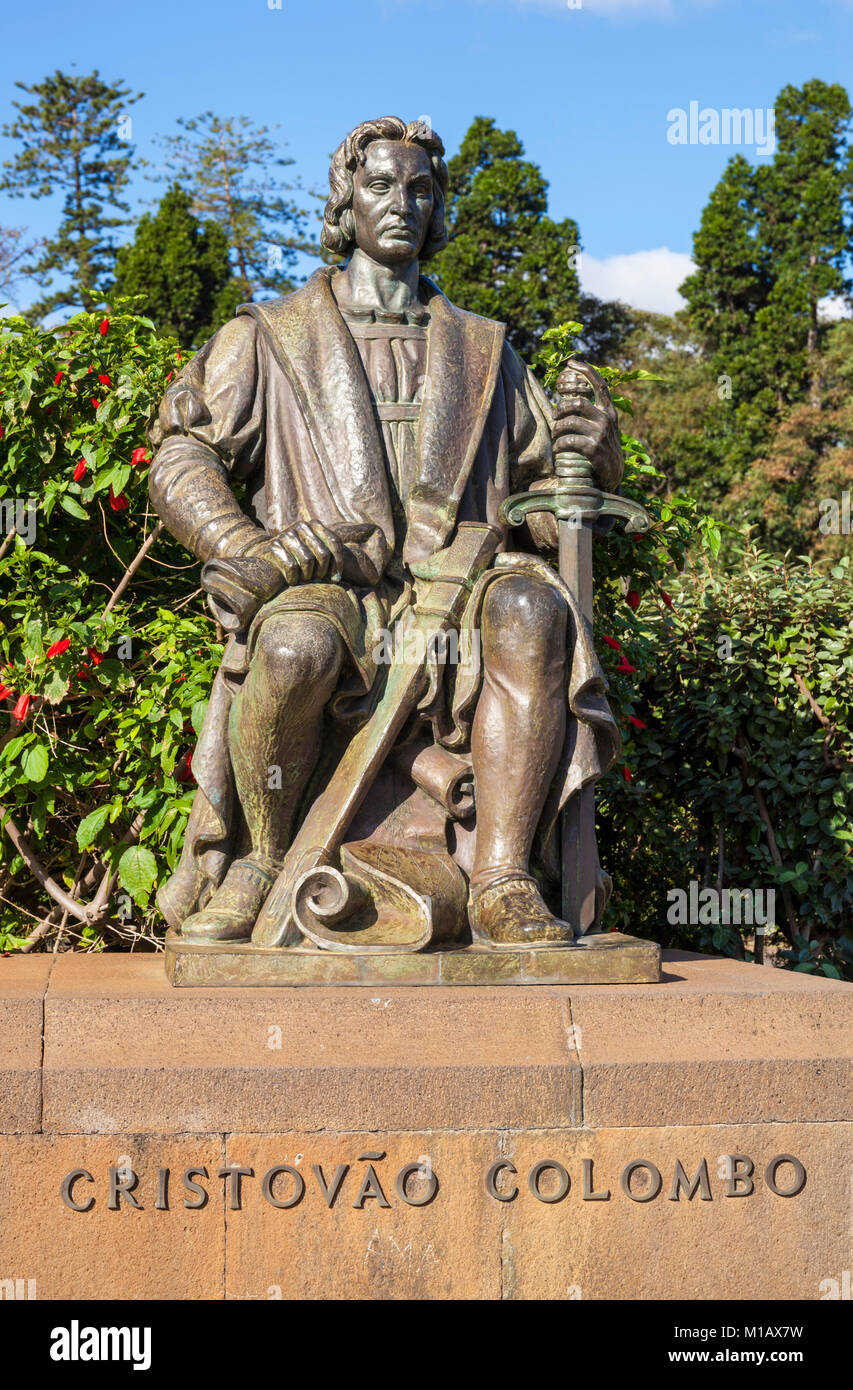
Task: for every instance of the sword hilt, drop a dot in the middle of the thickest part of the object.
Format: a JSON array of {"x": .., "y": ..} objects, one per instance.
[{"x": 574, "y": 498}]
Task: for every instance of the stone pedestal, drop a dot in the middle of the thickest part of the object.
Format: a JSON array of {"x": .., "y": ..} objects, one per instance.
[
  {"x": 607, "y": 958},
  {"x": 689, "y": 1139}
]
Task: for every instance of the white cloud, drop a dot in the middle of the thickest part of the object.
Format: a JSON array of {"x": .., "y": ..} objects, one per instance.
[
  {"x": 615, "y": 9},
  {"x": 661, "y": 7},
  {"x": 832, "y": 308},
  {"x": 644, "y": 279},
  {"x": 664, "y": 9}
]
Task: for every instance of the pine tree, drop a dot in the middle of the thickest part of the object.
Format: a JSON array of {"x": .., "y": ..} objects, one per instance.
[
  {"x": 773, "y": 242},
  {"x": 733, "y": 277},
  {"x": 506, "y": 259},
  {"x": 226, "y": 164},
  {"x": 71, "y": 143},
  {"x": 808, "y": 227},
  {"x": 182, "y": 269}
]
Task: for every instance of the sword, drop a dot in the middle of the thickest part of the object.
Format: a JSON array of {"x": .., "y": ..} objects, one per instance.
[{"x": 581, "y": 509}]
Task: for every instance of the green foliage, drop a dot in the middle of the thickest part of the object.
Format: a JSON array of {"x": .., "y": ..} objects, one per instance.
[
  {"x": 96, "y": 772},
  {"x": 742, "y": 764},
  {"x": 506, "y": 259},
  {"x": 69, "y": 143},
  {"x": 731, "y": 672},
  {"x": 181, "y": 270},
  {"x": 773, "y": 242},
  {"x": 227, "y": 165}
]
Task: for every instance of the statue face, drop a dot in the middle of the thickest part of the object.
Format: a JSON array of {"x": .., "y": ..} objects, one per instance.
[{"x": 392, "y": 201}]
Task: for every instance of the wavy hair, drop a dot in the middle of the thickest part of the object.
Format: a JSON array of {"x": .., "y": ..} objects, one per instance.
[{"x": 338, "y": 222}]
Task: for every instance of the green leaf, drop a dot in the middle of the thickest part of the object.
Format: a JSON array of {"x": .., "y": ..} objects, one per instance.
[
  {"x": 137, "y": 871},
  {"x": 199, "y": 710},
  {"x": 35, "y": 762},
  {"x": 33, "y": 642},
  {"x": 72, "y": 506},
  {"x": 56, "y": 688},
  {"x": 91, "y": 826}
]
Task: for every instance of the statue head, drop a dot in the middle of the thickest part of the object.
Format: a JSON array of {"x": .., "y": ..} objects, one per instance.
[{"x": 388, "y": 185}]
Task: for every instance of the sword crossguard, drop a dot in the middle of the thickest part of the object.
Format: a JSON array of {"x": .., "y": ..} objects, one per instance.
[
  {"x": 574, "y": 498},
  {"x": 577, "y": 504}
]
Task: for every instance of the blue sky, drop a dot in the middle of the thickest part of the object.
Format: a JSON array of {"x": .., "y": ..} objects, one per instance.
[{"x": 588, "y": 87}]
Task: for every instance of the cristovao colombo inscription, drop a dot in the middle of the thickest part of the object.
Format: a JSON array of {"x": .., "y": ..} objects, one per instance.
[{"x": 417, "y": 1184}]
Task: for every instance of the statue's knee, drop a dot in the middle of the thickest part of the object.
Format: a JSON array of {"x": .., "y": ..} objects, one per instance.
[
  {"x": 526, "y": 615},
  {"x": 299, "y": 652}
]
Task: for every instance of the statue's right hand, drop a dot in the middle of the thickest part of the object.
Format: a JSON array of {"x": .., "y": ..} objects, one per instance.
[{"x": 305, "y": 551}]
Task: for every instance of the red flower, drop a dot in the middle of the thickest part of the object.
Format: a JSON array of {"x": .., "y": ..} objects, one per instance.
[
  {"x": 625, "y": 667},
  {"x": 632, "y": 598},
  {"x": 5, "y": 692},
  {"x": 105, "y": 327},
  {"x": 120, "y": 503},
  {"x": 611, "y": 642},
  {"x": 20, "y": 710},
  {"x": 638, "y": 723},
  {"x": 96, "y": 656},
  {"x": 80, "y": 470},
  {"x": 83, "y": 672},
  {"x": 666, "y": 598},
  {"x": 139, "y": 456},
  {"x": 89, "y": 369},
  {"x": 169, "y": 377},
  {"x": 58, "y": 378},
  {"x": 58, "y": 648},
  {"x": 1, "y": 431},
  {"x": 104, "y": 379},
  {"x": 626, "y": 773}
]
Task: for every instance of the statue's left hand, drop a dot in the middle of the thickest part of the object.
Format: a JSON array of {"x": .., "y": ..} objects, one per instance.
[
  {"x": 591, "y": 429},
  {"x": 305, "y": 551}
]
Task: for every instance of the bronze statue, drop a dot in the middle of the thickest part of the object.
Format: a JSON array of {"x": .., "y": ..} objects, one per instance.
[{"x": 410, "y": 694}]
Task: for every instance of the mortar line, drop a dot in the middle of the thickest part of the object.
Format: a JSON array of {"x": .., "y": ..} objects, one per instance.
[
  {"x": 575, "y": 1053},
  {"x": 223, "y": 1156},
  {"x": 41, "y": 1040}
]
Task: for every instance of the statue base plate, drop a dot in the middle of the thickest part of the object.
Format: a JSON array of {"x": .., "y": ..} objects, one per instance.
[{"x": 604, "y": 958}]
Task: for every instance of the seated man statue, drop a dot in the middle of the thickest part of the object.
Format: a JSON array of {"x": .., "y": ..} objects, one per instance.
[{"x": 360, "y": 421}]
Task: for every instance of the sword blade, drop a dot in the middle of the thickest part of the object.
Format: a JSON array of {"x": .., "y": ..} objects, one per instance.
[{"x": 577, "y": 823}]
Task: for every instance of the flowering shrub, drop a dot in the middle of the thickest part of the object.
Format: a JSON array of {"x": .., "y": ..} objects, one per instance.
[
  {"x": 107, "y": 650},
  {"x": 735, "y": 771},
  {"x": 737, "y": 697}
]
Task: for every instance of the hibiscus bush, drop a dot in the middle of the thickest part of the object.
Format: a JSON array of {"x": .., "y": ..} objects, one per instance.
[
  {"x": 736, "y": 767},
  {"x": 108, "y": 652}
]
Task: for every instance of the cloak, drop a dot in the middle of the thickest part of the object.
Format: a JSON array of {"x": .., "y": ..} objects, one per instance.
[{"x": 279, "y": 404}]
